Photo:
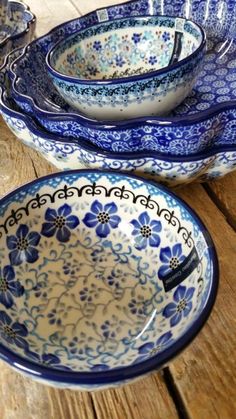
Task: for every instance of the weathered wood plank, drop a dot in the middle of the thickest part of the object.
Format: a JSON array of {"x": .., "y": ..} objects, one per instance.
[
  {"x": 15, "y": 164},
  {"x": 21, "y": 398},
  {"x": 223, "y": 192},
  {"x": 146, "y": 399},
  {"x": 205, "y": 373}
]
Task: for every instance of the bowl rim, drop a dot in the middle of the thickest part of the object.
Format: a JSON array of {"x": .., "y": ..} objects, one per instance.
[
  {"x": 135, "y": 370},
  {"x": 182, "y": 120},
  {"x": 26, "y": 10},
  {"x": 112, "y": 155},
  {"x": 84, "y": 145},
  {"x": 129, "y": 79}
]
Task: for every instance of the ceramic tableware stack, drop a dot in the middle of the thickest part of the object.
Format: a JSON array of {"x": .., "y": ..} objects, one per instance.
[
  {"x": 97, "y": 93},
  {"x": 195, "y": 140}
]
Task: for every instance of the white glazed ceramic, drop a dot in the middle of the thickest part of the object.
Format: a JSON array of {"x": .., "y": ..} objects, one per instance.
[
  {"x": 121, "y": 69},
  {"x": 104, "y": 278}
]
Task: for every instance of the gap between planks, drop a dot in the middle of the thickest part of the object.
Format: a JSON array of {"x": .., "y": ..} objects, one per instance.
[{"x": 231, "y": 220}]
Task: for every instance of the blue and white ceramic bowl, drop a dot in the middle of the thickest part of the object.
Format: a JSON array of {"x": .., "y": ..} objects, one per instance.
[
  {"x": 104, "y": 278},
  {"x": 126, "y": 68},
  {"x": 18, "y": 29},
  {"x": 68, "y": 154},
  {"x": 207, "y": 117},
  {"x": 74, "y": 154}
]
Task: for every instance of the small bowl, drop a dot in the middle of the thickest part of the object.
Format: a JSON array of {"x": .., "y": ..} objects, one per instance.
[
  {"x": 104, "y": 278},
  {"x": 127, "y": 68}
]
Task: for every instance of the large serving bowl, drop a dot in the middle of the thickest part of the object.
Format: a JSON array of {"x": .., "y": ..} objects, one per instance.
[
  {"x": 66, "y": 154},
  {"x": 74, "y": 154},
  {"x": 104, "y": 278},
  {"x": 207, "y": 117},
  {"x": 121, "y": 69},
  {"x": 18, "y": 28}
]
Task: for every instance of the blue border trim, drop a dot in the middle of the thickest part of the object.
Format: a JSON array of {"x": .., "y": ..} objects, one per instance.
[
  {"x": 120, "y": 374},
  {"x": 124, "y": 80}
]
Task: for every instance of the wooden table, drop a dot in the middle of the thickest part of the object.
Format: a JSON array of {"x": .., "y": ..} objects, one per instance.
[{"x": 201, "y": 382}]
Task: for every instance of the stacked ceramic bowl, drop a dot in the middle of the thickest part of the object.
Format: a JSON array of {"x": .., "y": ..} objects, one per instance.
[
  {"x": 103, "y": 113},
  {"x": 17, "y": 25}
]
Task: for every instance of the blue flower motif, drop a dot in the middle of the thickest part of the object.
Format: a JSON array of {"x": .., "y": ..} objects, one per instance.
[
  {"x": 181, "y": 306},
  {"x": 59, "y": 222},
  {"x": 152, "y": 60},
  {"x": 170, "y": 258},
  {"x": 137, "y": 306},
  {"x": 22, "y": 245},
  {"x": 120, "y": 61},
  {"x": 12, "y": 333},
  {"x": 9, "y": 287},
  {"x": 136, "y": 37},
  {"x": 97, "y": 45},
  {"x": 166, "y": 36},
  {"x": 71, "y": 58},
  {"x": 106, "y": 330},
  {"x": 145, "y": 231},
  {"x": 92, "y": 70},
  {"x": 53, "y": 319},
  {"x": 150, "y": 348},
  {"x": 48, "y": 360},
  {"x": 74, "y": 347},
  {"x": 103, "y": 217}
]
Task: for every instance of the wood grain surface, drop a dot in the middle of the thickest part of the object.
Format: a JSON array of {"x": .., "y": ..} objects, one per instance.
[{"x": 200, "y": 383}]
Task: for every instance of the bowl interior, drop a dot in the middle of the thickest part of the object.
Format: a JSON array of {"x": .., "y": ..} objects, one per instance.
[
  {"x": 125, "y": 47},
  {"x": 98, "y": 271}
]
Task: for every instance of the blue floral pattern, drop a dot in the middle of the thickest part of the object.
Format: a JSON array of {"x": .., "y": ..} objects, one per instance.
[
  {"x": 170, "y": 258},
  {"x": 13, "y": 332},
  {"x": 23, "y": 245},
  {"x": 149, "y": 349},
  {"x": 146, "y": 231},
  {"x": 181, "y": 306},
  {"x": 104, "y": 218},
  {"x": 9, "y": 286},
  {"x": 59, "y": 222}
]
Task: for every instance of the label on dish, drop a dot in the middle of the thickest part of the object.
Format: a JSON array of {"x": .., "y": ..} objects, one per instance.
[
  {"x": 179, "y": 24},
  {"x": 184, "y": 269}
]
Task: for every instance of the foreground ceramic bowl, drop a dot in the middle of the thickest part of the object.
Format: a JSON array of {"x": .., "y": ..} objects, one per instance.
[
  {"x": 104, "y": 278},
  {"x": 18, "y": 29},
  {"x": 121, "y": 69},
  {"x": 206, "y": 118}
]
